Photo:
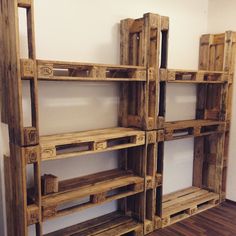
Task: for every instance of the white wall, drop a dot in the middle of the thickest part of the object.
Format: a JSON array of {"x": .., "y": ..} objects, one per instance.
[
  {"x": 89, "y": 31},
  {"x": 221, "y": 18}
]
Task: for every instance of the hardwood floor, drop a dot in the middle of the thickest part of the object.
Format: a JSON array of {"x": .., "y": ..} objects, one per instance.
[{"x": 218, "y": 221}]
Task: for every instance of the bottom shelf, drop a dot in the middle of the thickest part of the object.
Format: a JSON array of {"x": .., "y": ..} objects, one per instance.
[
  {"x": 184, "y": 203},
  {"x": 113, "y": 224}
]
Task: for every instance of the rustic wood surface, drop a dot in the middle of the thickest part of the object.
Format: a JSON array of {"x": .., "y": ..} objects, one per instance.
[{"x": 218, "y": 221}]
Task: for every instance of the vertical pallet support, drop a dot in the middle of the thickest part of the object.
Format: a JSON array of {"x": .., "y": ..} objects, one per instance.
[
  {"x": 140, "y": 45},
  {"x": 150, "y": 181},
  {"x": 24, "y": 148},
  {"x": 217, "y": 53}
]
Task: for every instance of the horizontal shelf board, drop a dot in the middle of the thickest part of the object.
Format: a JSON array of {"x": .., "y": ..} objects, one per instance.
[
  {"x": 111, "y": 224},
  {"x": 191, "y": 123},
  {"x": 186, "y": 202},
  {"x": 99, "y": 188},
  {"x": 195, "y": 82},
  {"x": 72, "y": 71},
  {"x": 90, "y": 185},
  {"x": 193, "y": 76},
  {"x": 192, "y": 128},
  {"x": 87, "y": 142}
]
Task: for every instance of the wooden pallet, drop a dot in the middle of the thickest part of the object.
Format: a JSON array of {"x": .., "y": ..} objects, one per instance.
[
  {"x": 192, "y": 128},
  {"x": 140, "y": 45},
  {"x": 191, "y": 76},
  {"x": 115, "y": 224},
  {"x": 182, "y": 204},
  {"x": 66, "y": 71},
  {"x": 98, "y": 188},
  {"x": 80, "y": 143},
  {"x": 217, "y": 52}
]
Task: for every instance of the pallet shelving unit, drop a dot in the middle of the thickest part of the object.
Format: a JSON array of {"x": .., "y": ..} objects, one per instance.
[
  {"x": 210, "y": 129},
  {"x": 139, "y": 138}
]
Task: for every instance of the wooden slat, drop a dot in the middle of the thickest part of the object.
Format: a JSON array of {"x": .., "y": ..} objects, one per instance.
[
  {"x": 9, "y": 195},
  {"x": 111, "y": 224}
]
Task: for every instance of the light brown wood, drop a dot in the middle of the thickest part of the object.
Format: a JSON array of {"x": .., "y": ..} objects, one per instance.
[
  {"x": 74, "y": 71},
  {"x": 86, "y": 142},
  {"x": 112, "y": 224},
  {"x": 184, "y": 203},
  {"x": 96, "y": 186},
  {"x": 191, "y": 76}
]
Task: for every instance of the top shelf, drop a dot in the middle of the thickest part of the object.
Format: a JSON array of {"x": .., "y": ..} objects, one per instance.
[
  {"x": 74, "y": 71},
  {"x": 192, "y": 76}
]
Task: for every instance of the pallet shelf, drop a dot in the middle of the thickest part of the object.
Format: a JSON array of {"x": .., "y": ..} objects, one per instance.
[
  {"x": 74, "y": 71},
  {"x": 114, "y": 223},
  {"x": 97, "y": 189},
  {"x": 191, "y": 76},
  {"x": 185, "y": 203},
  {"x": 88, "y": 142},
  {"x": 139, "y": 138},
  {"x": 192, "y": 128}
]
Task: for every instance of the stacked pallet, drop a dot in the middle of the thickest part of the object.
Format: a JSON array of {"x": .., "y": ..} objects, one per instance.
[{"x": 137, "y": 183}]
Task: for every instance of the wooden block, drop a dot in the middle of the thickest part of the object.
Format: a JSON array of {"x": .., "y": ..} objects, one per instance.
[
  {"x": 148, "y": 227},
  {"x": 192, "y": 210},
  {"x": 197, "y": 130},
  {"x": 151, "y": 137},
  {"x": 163, "y": 74},
  {"x": 138, "y": 187},
  {"x": 30, "y": 136},
  {"x": 24, "y": 3},
  {"x": 32, "y": 214},
  {"x": 97, "y": 72},
  {"x": 152, "y": 74},
  {"x": 160, "y": 122},
  {"x": 45, "y": 71},
  {"x": 164, "y": 23},
  {"x": 31, "y": 154},
  {"x": 157, "y": 222},
  {"x": 139, "y": 139},
  {"x": 165, "y": 221},
  {"x": 98, "y": 198},
  {"x": 200, "y": 76},
  {"x": 27, "y": 68},
  {"x": 100, "y": 145},
  {"x": 49, "y": 212},
  {"x": 49, "y": 184},
  {"x": 141, "y": 74},
  {"x": 158, "y": 179},
  {"x": 160, "y": 136},
  {"x": 48, "y": 152}
]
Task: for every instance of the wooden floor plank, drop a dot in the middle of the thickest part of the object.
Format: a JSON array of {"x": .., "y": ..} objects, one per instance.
[{"x": 218, "y": 221}]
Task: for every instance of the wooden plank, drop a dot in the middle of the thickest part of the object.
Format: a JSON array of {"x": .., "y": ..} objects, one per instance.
[
  {"x": 9, "y": 195},
  {"x": 89, "y": 142},
  {"x": 97, "y": 186},
  {"x": 198, "y": 161},
  {"x": 111, "y": 224},
  {"x": 72, "y": 71}
]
